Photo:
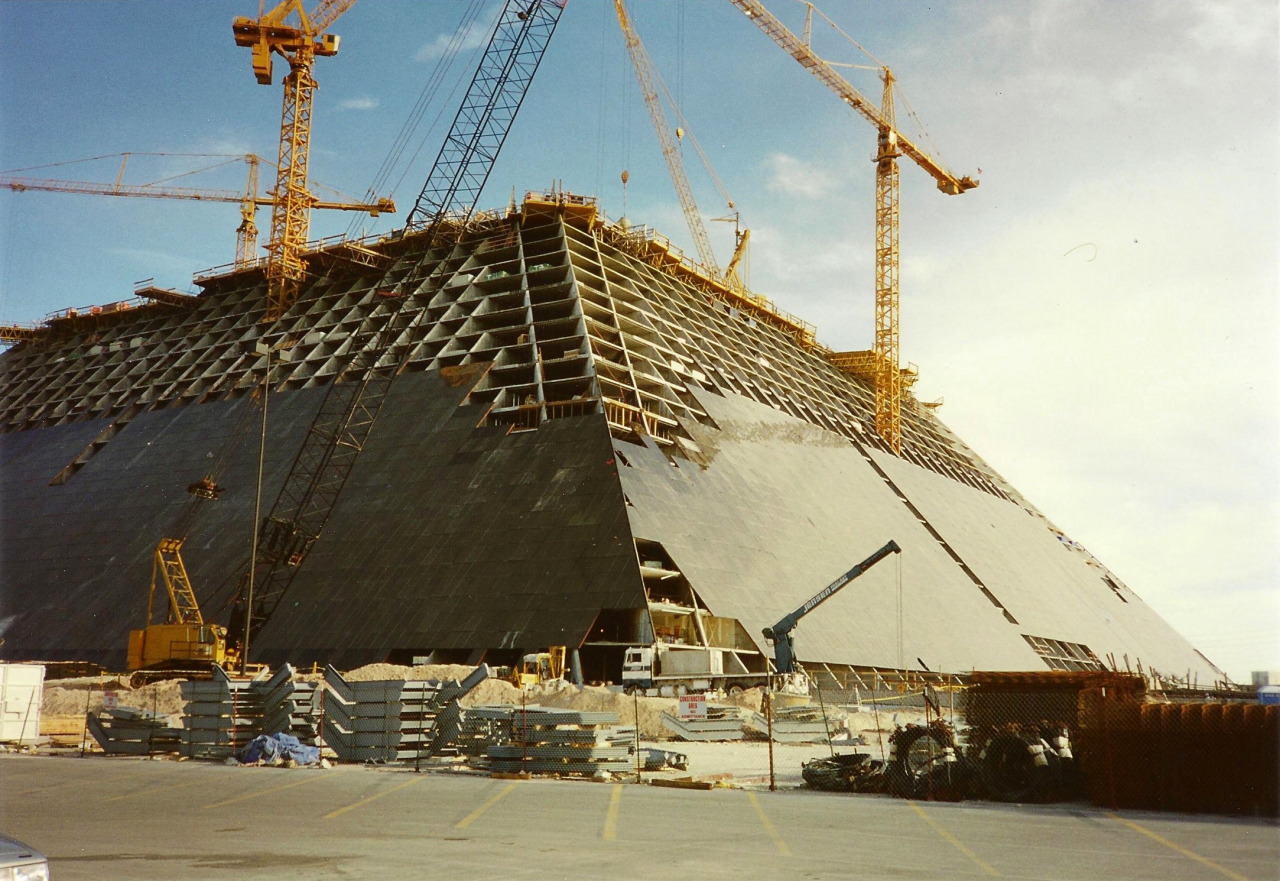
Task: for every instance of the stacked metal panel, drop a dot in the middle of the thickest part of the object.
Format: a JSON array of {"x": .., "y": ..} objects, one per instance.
[
  {"x": 562, "y": 742},
  {"x": 133, "y": 732},
  {"x": 801, "y": 724},
  {"x": 221, "y": 715},
  {"x": 291, "y": 706},
  {"x": 393, "y": 720},
  {"x": 720, "y": 723}
]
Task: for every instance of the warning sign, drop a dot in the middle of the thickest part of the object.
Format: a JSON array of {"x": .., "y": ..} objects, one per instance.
[
  {"x": 693, "y": 706},
  {"x": 110, "y": 700}
]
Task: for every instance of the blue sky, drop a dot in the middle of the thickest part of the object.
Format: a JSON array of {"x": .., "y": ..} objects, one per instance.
[{"x": 1100, "y": 316}]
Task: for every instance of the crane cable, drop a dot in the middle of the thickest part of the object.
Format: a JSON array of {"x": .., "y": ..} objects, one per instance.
[
  {"x": 458, "y": 39},
  {"x": 209, "y": 480}
]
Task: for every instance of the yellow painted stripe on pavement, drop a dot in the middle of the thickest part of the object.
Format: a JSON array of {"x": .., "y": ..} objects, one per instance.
[
  {"x": 768, "y": 825},
  {"x": 478, "y": 812},
  {"x": 230, "y": 801},
  {"x": 955, "y": 842},
  {"x": 377, "y": 795},
  {"x": 611, "y": 816},
  {"x": 1191, "y": 855}
]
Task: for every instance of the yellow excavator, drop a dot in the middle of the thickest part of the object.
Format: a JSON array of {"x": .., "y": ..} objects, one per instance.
[
  {"x": 539, "y": 667},
  {"x": 185, "y": 645}
]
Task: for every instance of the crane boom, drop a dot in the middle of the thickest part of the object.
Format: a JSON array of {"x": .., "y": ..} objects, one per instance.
[
  {"x": 670, "y": 152},
  {"x": 891, "y": 144},
  {"x": 487, "y": 111},
  {"x": 249, "y": 200},
  {"x": 780, "y": 634},
  {"x": 826, "y": 74},
  {"x": 354, "y": 398}
]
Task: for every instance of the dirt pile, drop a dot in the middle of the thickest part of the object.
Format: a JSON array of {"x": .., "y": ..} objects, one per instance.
[{"x": 75, "y": 697}]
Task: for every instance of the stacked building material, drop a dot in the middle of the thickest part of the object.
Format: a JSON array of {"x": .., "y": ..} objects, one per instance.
[
  {"x": 134, "y": 732},
  {"x": 1193, "y": 757},
  {"x": 808, "y": 723},
  {"x": 393, "y": 720},
  {"x": 291, "y": 706},
  {"x": 483, "y": 727},
  {"x": 562, "y": 742},
  {"x": 720, "y": 723},
  {"x": 222, "y": 714}
]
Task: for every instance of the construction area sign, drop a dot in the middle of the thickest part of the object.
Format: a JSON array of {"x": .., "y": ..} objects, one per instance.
[{"x": 692, "y": 706}]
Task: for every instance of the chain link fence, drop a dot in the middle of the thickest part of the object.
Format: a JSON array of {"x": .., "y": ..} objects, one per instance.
[{"x": 1055, "y": 736}]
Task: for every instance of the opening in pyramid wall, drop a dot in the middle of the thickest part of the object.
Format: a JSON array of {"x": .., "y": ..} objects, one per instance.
[{"x": 588, "y": 442}]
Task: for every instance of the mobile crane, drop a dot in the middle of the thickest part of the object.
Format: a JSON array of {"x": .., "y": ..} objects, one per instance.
[
  {"x": 784, "y": 657},
  {"x": 185, "y": 645}
]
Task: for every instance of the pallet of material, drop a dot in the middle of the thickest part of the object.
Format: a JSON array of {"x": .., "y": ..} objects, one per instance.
[
  {"x": 721, "y": 723},
  {"x": 133, "y": 732},
  {"x": 801, "y": 724},
  {"x": 562, "y": 742}
]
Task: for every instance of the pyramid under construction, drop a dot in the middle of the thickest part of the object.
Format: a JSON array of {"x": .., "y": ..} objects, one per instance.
[{"x": 589, "y": 443}]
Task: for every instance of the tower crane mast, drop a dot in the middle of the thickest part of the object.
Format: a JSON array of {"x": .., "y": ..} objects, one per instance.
[
  {"x": 890, "y": 145},
  {"x": 299, "y": 45}
]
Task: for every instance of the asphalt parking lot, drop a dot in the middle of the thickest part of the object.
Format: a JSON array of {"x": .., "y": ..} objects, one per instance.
[{"x": 109, "y": 818}]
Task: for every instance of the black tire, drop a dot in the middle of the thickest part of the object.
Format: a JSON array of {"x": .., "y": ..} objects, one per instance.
[
  {"x": 734, "y": 690},
  {"x": 1011, "y": 772},
  {"x": 920, "y": 755}
]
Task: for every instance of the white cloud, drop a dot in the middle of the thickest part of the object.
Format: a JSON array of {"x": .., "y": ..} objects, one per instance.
[
  {"x": 796, "y": 177},
  {"x": 364, "y": 102},
  {"x": 472, "y": 34}
]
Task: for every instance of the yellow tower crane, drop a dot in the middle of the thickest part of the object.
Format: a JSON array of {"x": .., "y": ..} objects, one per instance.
[
  {"x": 884, "y": 360},
  {"x": 299, "y": 44},
  {"x": 249, "y": 200}
]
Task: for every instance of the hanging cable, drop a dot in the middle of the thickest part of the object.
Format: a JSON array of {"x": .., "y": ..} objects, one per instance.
[{"x": 447, "y": 62}]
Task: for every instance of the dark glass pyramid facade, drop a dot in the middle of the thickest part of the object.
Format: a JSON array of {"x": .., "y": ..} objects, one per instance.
[{"x": 588, "y": 438}]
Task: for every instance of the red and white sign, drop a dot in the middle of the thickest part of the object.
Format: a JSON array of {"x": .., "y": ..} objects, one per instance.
[
  {"x": 692, "y": 706},
  {"x": 110, "y": 700}
]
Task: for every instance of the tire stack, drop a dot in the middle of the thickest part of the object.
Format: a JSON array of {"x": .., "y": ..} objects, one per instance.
[
  {"x": 1026, "y": 763},
  {"x": 924, "y": 764}
]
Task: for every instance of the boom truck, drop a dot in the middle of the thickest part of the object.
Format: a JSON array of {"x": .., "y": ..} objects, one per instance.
[{"x": 784, "y": 656}]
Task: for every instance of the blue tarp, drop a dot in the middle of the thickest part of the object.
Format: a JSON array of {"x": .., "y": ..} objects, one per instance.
[{"x": 272, "y": 749}]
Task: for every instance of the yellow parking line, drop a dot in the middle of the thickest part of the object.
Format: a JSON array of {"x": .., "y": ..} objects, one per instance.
[
  {"x": 611, "y": 816},
  {"x": 374, "y": 797},
  {"x": 476, "y": 814},
  {"x": 1191, "y": 855},
  {"x": 768, "y": 825},
  {"x": 955, "y": 842},
  {"x": 230, "y": 801}
]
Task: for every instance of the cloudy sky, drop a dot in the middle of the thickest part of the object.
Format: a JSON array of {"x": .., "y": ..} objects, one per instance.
[{"x": 1100, "y": 315}]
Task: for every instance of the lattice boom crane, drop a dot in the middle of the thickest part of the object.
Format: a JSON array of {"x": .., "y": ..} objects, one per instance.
[
  {"x": 249, "y": 200},
  {"x": 354, "y": 398}
]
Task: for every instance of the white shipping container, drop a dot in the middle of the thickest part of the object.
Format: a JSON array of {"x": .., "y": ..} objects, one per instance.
[{"x": 21, "y": 690}]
